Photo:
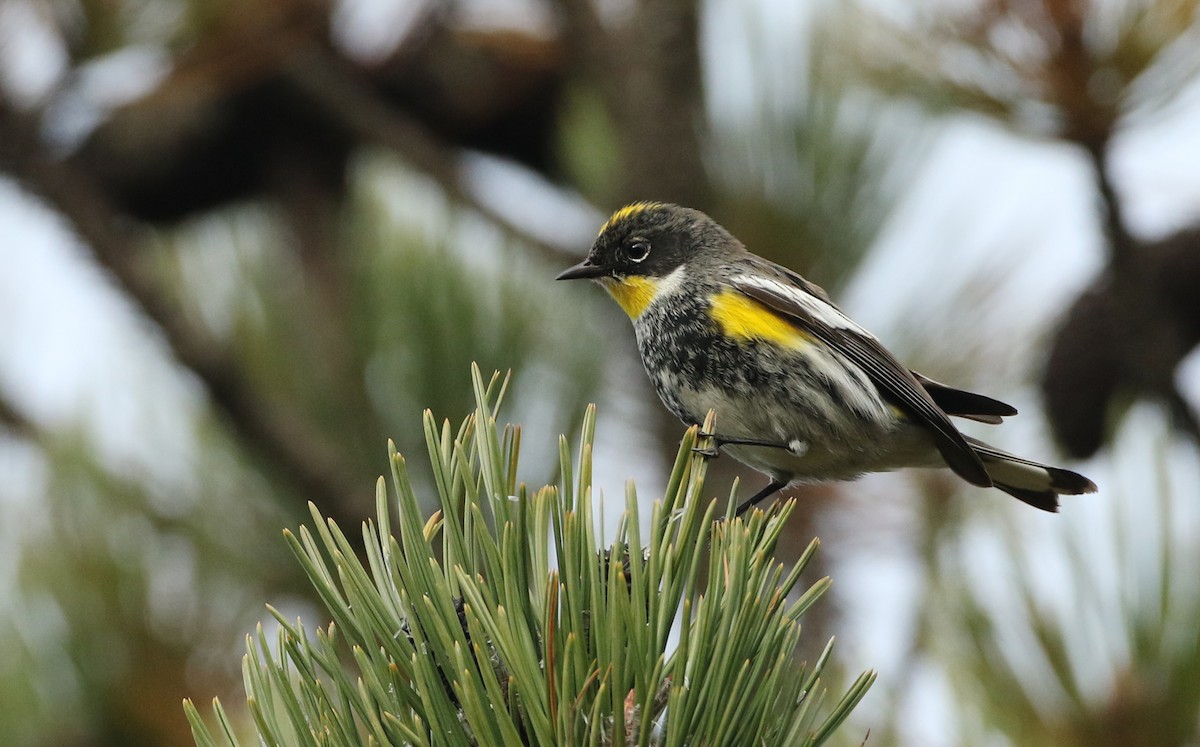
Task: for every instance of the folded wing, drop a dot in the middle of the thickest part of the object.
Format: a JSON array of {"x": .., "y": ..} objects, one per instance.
[{"x": 806, "y": 305}]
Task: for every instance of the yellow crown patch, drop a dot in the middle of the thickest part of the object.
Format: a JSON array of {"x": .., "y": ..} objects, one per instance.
[{"x": 628, "y": 212}]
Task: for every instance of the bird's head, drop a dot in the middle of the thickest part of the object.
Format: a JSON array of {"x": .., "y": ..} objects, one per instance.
[{"x": 648, "y": 245}]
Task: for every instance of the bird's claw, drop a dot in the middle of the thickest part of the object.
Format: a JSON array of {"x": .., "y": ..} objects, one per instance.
[{"x": 708, "y": 452}]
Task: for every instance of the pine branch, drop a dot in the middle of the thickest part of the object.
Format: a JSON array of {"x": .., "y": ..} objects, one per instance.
[
  {"x": 463, "y": 632},
  {"x": 282, "y": 440},
  {"x": 345, "y": 99}
]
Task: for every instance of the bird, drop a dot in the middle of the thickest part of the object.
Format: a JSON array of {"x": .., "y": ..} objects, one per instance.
[{"x": 800, "y": 391}]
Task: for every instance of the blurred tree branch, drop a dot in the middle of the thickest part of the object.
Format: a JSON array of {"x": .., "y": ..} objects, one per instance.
[
  {"x": 13, "y": 420},
  {"x": 257, "y": 104},
  {"x": 342, "y": 96},
  {"x": 219, "y": 131},
  {"x": 647, "y": 70},
  {"x": 283, "y": 441}
]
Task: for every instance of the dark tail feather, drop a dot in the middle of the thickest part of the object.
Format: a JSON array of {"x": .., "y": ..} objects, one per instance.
[
  {"x": 965, "y": 404},
  {"x": 1037, "y": 484}
]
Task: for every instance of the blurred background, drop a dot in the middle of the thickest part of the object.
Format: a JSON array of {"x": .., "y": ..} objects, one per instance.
[{"x": 242, "y": 243}]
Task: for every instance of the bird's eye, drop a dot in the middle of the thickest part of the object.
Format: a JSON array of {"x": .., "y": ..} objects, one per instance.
[{"x": 636, "y": 251}]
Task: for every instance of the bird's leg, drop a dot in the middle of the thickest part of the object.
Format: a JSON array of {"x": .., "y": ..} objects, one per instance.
[
  {"x": 795, "y": 447},
  {"x": 772, "y": 487}
]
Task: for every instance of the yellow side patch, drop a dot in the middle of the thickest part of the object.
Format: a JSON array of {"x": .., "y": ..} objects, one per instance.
[
  {"x": 627, "y": 212},
  {"x": 743, "y": 318},
  {"x": 634, "y": 294}
]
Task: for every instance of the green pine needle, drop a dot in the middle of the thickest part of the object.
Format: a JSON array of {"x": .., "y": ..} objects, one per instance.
[{"x": 460, "y": 630}]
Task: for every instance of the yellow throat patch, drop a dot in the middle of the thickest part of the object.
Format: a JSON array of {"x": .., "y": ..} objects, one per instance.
[
  {"x": 628, "y": 212},
  {"x": 633, "y": 294},
  {"x": 743, "y": 318}
]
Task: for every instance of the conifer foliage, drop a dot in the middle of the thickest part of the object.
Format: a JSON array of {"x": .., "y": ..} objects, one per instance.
[{"x": 501, "y": 619}]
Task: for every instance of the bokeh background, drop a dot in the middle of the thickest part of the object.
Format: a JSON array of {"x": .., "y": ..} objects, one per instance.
[{"x": 244, "y": 242}]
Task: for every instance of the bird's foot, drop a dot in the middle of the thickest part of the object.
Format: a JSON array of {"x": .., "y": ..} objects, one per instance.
[
  {"x": 711, "y": 451},
  {"x": 770, "y": 489},
  {"x": 795, "y": 447}
]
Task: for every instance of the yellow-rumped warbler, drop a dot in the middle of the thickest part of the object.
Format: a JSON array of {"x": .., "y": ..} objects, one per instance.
[{"x": 801, "y": 392}]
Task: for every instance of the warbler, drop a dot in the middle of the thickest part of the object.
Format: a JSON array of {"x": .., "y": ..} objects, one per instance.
[{"x": 801, "y": 392}]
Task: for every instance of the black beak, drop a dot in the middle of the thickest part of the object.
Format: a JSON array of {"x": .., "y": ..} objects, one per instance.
[{"x": 584, "y": 269}]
